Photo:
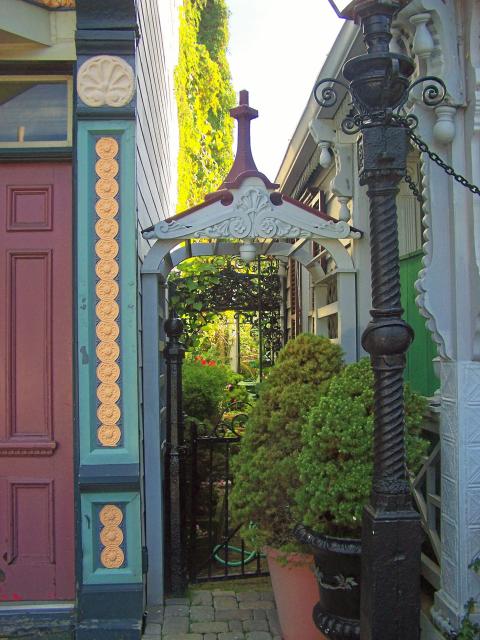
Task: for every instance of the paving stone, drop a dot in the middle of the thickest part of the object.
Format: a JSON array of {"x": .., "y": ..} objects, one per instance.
[
  {"x": 259, "y": 635},
  {"x": 224, "y": 602},
  {"x": 273, "y": 622},
  {"x": 153, "y": 629},
  {"x": 202, "y": 597},
  {"x": 176, "y": 610},
  {"x": 257, "y": 604},
  {"x": 182, "y": 636},
  {"x": 175, "y": 624},
  {"x": 212, "y": 636},
  {"x": 177, "y": 601},
  {"x": 235, "y": 625},
  {"x": 255, "y": 625},
  {"x": 267, "y": 595},
  {"x": 201, "y": 613},
  {"x": 259, "y": 614},
  {"x": 244, "y": 596},
  {"x": 233, "y": 614},
  {"x": 208, "y": 627},
  {"x": 156, "y": 608},
  {"x": 219, "y": 592},
  {"x": 152, "y": 616},
  {"x": 231, "y": 635}
]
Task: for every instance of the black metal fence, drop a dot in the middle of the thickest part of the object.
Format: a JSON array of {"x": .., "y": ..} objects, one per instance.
[{"x": 216, "y": 550}]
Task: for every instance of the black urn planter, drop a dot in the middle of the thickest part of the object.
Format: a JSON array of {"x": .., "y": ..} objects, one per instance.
[{"x": 338, "y": 570}]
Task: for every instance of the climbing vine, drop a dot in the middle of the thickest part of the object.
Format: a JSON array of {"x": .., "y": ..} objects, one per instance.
[{"x": 204, "y": 95}]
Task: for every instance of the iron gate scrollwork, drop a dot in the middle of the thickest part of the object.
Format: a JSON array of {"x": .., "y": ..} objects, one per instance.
[
  {"x": 216, "y": 550},
  {"x": 253, "y": 290}
]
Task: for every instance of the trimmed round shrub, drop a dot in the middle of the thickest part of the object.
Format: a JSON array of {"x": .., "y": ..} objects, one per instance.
[
  {"x": 336, "y": 462},
  {"x": 265, "y": 469}
]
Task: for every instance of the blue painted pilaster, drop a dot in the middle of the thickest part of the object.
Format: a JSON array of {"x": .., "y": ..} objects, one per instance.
[{"x": 109, "y": 550}]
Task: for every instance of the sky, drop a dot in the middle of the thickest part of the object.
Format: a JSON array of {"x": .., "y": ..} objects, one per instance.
[{"x": 276, "y": 50}]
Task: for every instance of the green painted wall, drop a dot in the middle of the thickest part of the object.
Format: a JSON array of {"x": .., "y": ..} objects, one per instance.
[{"x": 419, "y": 372}]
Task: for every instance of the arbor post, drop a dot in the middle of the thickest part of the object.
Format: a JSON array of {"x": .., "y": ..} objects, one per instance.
[{"x": 175, "y": 488}]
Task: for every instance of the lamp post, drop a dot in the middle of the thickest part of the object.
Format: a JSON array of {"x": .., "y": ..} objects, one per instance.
[{"x": 379, "y": 84}]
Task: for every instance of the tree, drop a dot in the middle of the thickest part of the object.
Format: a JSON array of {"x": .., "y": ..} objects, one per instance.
[{"x": 204, "y": 95}]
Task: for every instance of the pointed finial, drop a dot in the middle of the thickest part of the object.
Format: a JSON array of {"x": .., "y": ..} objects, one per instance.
[{"x": 244, "y": 164}]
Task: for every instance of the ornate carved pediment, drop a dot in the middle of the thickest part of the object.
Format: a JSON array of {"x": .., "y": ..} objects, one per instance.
[{"x": 251, "y": 215}]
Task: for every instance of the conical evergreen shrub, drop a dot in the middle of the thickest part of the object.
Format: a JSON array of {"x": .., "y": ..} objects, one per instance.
[
  {"x": 265, "y": 469},
  {"x": 335, "y": 465}
]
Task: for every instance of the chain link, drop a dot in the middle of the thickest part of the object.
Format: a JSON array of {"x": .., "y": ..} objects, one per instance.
[
  {"x": 423, "y": 147},
  {"x": 413, "y": 187}
]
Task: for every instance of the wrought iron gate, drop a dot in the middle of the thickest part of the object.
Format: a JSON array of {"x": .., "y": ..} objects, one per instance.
[{"x": 215, "y": 549}]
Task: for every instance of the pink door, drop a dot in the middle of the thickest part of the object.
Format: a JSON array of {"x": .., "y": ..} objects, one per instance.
[{"x": 36, "y": 408}]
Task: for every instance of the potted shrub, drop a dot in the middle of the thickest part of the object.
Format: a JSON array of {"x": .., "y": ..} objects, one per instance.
[
  {"x": 335, "y": 468},
  {"x": 266, "y": 477}
]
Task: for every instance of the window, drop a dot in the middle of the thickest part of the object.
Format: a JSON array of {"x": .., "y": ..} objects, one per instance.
[{"x": 35, "y": 111}]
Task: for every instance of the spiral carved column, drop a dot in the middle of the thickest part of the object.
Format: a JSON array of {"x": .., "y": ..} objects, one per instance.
[
  {"x": 391, "y": 533},
  {"x": 387, "y": 338}
]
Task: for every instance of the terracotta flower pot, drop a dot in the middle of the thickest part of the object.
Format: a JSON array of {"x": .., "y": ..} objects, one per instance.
[
  {"x": 296, "y": 593},
  {"x": 338, "y": 570}
]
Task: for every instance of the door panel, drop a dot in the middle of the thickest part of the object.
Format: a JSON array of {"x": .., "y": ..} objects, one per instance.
[{"x": 36, "y": 408}]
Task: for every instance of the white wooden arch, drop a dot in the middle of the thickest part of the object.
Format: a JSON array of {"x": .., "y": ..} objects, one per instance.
[
  {"x": 164, "y": 256},
  {"x": 246, "y": 209}
]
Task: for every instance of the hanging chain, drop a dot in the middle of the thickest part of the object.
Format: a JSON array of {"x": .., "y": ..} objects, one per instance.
[
  {"x": 423, "y": 147},
  {"x": 413, "y": 187}
]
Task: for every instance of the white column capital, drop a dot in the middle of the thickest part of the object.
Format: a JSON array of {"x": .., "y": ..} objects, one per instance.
[
  {"x": 344, "y": 213},
  {"x": 325, "y": 155},
  {"x": 423, "y": 44},
  {"x": 444, "y": 129}
]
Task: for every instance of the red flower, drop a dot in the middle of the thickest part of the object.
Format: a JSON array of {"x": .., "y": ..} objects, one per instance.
[
  {"x": 204, "y": 362},
  {"x": 197, "y": 358},
  {"x": 212, "y": 363}
]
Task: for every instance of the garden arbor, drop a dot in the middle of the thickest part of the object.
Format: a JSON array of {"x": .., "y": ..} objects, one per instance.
[{"x": 246, "y": 217}]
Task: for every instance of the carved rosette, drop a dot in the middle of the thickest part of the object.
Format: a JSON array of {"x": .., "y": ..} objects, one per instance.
[
  {"x": 107, "y": 291},
  {"x": 57, "y": 4},
  {"x": 106, "y": 81},
  {"x": 111, "y": 537}
]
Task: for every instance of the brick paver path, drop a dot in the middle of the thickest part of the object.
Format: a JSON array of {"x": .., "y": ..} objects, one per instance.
[{"x": 215, "y": 615}]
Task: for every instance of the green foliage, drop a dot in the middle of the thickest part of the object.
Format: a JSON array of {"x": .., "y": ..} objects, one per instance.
[
  {"x": 209, "y": 388},
  {"x": 191, "y": 278},
  {"x": 204, "y": 97},
  {"x": 204, "y": 389},
  {"x": 336, "y": 463},
  {"x": 265, "y": 470},
  {"x": 469, "y": 630}
]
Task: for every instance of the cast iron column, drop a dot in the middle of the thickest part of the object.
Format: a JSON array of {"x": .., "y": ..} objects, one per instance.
[
  {"x": 391, "y": 530},
  {"x": 175, "y": 462}
]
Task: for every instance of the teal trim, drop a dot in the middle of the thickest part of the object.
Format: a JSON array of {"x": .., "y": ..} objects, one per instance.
[
  {"x": 93, "y": 571},
  {"x": 90, "y": 450}
]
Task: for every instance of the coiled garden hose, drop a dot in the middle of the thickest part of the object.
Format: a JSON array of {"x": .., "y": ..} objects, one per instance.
[{"x": 251, "y": 556}]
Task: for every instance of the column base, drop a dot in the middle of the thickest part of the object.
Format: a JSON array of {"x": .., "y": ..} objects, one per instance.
[
  {"x": 390, "y": 600},
  {"x": 110, "y": 612},
  {"x": 445, "y": 614},
  {"x": 48, "y": 621}
]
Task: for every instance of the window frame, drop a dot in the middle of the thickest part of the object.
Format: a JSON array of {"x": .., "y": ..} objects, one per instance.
[{"x": 44, "y": 79}]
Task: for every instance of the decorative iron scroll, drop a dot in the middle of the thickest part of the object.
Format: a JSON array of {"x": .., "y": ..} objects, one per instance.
[
  {"x": 240, "y": 287},
  {"x": 362, "y": 115},
  {"x": 252, "y": 290}
]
